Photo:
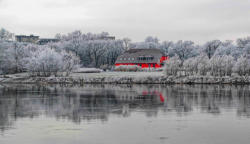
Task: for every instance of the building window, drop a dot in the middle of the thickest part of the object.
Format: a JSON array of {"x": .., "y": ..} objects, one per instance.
[
  {"x": 133, "y": 58},
  {"x": 128, "y": 58},
  {"x": 145, "y": 58},
  {"x": 120, "y": 58},
  {"x": 124, "y": 58}
]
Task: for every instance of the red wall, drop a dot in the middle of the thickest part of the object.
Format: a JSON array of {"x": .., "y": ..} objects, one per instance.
[
  {"x": 146, "y": 65},
  {"x": 163, "y": 58}
]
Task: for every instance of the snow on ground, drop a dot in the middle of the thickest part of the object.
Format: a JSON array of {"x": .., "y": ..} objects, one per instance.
[
  {"x": 86, "y": 73},
  {"x": 118, "y": 74},
  {"x": 126, "y": 78},
  {"x": 88, "y": 70}
]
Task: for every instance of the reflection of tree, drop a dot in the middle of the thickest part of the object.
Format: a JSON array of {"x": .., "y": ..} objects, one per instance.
[
  {"x": 5, "y": 120},
  {"x": 244, "y": 101},
  {"x": 98, "y": 102},
  {"x": 73, "y": 103},
  {"x": 208, "y": 98}
]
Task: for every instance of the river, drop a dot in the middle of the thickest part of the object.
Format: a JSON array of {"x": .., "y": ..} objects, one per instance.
[{"x": 124, "y": 114}]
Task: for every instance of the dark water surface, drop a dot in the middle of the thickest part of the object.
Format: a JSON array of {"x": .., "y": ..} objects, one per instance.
[{"x": 125, "y": 114}]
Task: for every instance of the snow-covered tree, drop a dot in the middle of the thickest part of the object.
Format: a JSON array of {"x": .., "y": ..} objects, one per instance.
[
  {"x": 70, "y": 62},
  {"x": 114, "y": 49},
  {"x": 246, "y": 50},
  {"x": 126, "y": 42},
  {"x": 242, "y": 42},
  {"x": 12, "y": 57},
  {"x": 165, "y": 46},
  {"x": 242, "y": 66},
  {"x": 72, "y": 41},
  {"x": 97, "y": 48},
  {"x": 45, "y": 62},
  {"x": 196, "y": 65},
  {"x": 145, "y": 45},
  {"x": 94, "y": 50},
  {"x": 191, "y": 66},
  {"x": 228, "y": 49},
  {"x": 172, "y": 66},
  {"x": 151, "y": 39},
  {"x": 221, "y": 65},
  {"x": 210, "y": 47},
  {"x": 3, "y": 46},
  {"x": 229, "y": 63},
  {"x": 5, "y": 35},
  {"x": 215, "y": 65},
  {"x": 184, "y": 49}
]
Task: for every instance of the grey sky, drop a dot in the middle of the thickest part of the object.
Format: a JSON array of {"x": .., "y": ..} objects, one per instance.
[{"x": 197, "y": 20}]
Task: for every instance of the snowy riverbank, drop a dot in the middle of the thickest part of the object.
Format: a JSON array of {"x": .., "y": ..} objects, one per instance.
[{"x": 124, "y": 78}]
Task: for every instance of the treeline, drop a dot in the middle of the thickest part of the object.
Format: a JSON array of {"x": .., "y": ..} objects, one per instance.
[
  {"x": 94, "y": 50},
  {"x": 35, "y": 59},
  {"x": 97, "y": 50},
  {"x": 215, "y": 58},
  {"x": 38, "y": 60}
]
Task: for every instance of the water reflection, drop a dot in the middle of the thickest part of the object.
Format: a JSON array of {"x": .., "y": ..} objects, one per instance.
[{"x": 98, "y": 102}]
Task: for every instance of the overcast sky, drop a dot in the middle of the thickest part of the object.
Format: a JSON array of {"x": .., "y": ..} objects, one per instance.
[{"x": 197, "y": 20}]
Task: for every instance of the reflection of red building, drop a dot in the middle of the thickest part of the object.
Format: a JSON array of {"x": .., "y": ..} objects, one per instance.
[
  {"x": 144, "y": 58},
  {"x": 144, "y": 93}
]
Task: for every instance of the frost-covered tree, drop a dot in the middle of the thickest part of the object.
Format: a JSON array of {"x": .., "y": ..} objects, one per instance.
[
  {"x": 126, "y": 42},
  {"x": 215, "y": 65},
  {"x": 246, "y": 50},
  {"x": 242, "y": 42},
  {"x": 145, "y": 45},
  {"x": 184, "y": 49},
  {"x": 94, "y": 50},
  {"x": 242, "y": 66},
  {"x": 165, "y": 46},
  {"x": 191, "y": 66},
  {"x": 149, "y": 43},
  {"x": 5, "y": 35},
  {"x": 72, "y": 41},
  {"x": 228, "y": 49},
  {"x": 210, "y": 47},
  {"x": 227, "y": 42},
  {"x": 70, "y": 62},
  {"x": 221, "y": 65},
  {"x": 196, "y": 65},
  {"x": 98, "y": 48},
  {"x": 229, "y": 63},
  {"x": 3, "y": 46},
  {"x": 172, "y": 66},
  {"x": 114, "y": 49},
  {"x": 45, "y": 62},
  {"x": 151, "y": 39},
  {"x": 12, "y": 57}
]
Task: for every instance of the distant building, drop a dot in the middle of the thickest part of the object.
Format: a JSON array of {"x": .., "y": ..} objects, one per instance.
[
  {"x": 107, "y": 38},
  {"x": 34, "y": 39},
  {"x": 28, "y": 39},
  {"x": 44, "y": 41},
  {"x": 145, "y": 58}
]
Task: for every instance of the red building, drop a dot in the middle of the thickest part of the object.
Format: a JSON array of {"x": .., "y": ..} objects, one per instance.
[{"x": 145, "y": 58}]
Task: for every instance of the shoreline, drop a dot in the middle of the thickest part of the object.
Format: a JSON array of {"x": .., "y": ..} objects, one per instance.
[{"x": 124, "y": 78}]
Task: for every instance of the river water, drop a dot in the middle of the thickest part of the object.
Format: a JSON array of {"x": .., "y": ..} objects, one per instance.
[{"x": 125, "y": 114}]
